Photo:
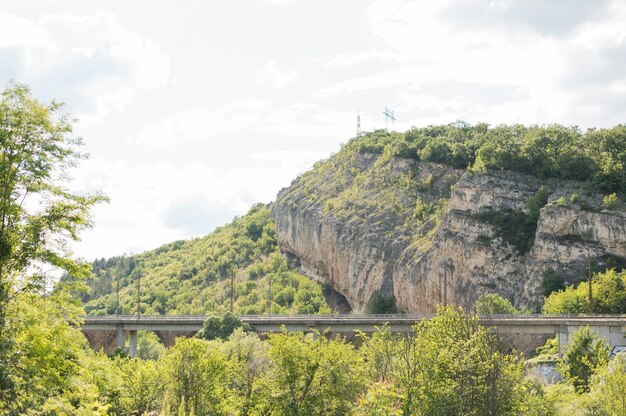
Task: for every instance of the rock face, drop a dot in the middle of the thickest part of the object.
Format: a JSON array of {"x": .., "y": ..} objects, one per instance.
[{"x": 429, "y": 234}]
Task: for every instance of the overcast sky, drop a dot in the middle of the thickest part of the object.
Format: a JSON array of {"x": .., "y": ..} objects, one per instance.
[{"x": 194, "y": 110}]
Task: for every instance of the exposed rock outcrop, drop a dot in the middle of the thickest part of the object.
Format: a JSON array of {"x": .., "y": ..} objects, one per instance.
[{"x": 430, "y": 234}]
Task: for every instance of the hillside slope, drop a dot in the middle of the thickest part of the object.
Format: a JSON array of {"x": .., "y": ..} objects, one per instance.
[
  {"x": 444, "y": 214},
  {"x": 194, "y": 276}
]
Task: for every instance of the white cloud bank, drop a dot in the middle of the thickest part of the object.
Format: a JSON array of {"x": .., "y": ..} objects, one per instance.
[{"x": 92, "y": 62}]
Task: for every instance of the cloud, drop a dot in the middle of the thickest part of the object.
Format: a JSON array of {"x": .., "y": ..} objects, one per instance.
[
  {"x": 277, "y": 2},
  {"x": 504, "y": 61},
  {"x": 202, "y": 124},
  {"x": 92, "y": 62},
  {"x": 151, "y": 204},
  {"x": 280, "y": 79}
]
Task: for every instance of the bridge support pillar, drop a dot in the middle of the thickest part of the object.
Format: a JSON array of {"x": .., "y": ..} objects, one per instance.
[
  {"x": 132, "y": 351},
  {"x": 121, "y": 340}
]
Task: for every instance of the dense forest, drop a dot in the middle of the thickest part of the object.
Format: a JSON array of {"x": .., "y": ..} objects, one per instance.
[{"x": 597, "y": 156}]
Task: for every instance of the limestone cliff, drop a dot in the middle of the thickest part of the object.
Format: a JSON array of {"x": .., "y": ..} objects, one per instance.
[{"x": 372, "y": 225}]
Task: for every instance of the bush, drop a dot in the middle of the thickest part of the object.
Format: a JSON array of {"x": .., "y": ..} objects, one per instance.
[
  {"x": 216, "y": 327},
  {"x": 586, "y": 353},
  {"x": 381, "y": 303},
  {"x": 610, "y": 201},
  {"x": 609, "y": 295},
  {"x": 493, "y": 304}
]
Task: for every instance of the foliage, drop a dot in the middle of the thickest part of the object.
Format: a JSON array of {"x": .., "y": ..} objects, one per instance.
[
  {"x": 609, "y": 295},
  {"x": 597, "y": 156},
  {"x": 513, "y": 226},
  {"x": 381, "y": 399},
  {"x": 197, "y": 374},
  {"x": 608, "y": 386},
  {"x": 314, "y": 376},
  {"x": 610, "y": 201},
  {"x": 194, "y": 277},
  {"x": 381, "y": 303},
  {"x": 552, "y": 282},
  {"x": 39, "y": 216},
  {"x": 585, "y": 353},
  {"x": 221, "y": 327},
  {"x": 448, "y": 365},
  {"x": 491, "y": 304}
]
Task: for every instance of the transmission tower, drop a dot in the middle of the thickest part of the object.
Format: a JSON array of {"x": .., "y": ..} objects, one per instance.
[
  {"x": 358, "y": 123},
  {"x": 389, "y": 115}
]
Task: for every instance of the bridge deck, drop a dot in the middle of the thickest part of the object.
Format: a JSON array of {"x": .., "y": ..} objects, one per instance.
[{"x": 532, "y": 323}]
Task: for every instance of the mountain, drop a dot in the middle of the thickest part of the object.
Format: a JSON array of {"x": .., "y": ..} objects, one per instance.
[
  {"x": 443, "y": 214},
  {"x": 401, "y": 221}
]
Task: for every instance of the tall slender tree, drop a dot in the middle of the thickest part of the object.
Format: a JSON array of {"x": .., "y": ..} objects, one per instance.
[{"x": 39, "y": 216}]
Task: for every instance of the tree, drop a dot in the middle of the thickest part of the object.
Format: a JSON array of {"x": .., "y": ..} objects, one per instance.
[
  {"x": 38, "y": 215},
  {"x": 609, "y": 295},
  {"x": 586, "y": 353},
  {"x": 608, "y": 386},
  {"x": 451, "y": 365},
  {"x": 492, "y": 304},
  {"x": 197, "y": 374},
  {"x": 314, "y": 376},
  {"x": 222, "y": 327}
]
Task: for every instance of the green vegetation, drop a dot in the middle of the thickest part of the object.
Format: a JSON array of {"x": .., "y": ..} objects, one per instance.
[
  {"x": 195, "y": 277},
  {"x": 381, "y": 303},
  {"x": 610, "y": 201},
  {"x": 515, "y": 227},
  {"x": 493, "y": 304},
  {"x": 39, "y": 216},
  {"x": 448, "y": 365},
  {"x": 222, "y": 327},
  {"x": 597, "y": 156},
  {"x": 585, "y": 354},
  {"x": 609, "y": 295}
]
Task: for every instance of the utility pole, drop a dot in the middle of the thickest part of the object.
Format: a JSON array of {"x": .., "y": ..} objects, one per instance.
[
  {"x": 333, "y": 301},
  {"x": 138, "y": 293},
  {"x": 445, "y": 286},
  {"x": 589, "y": 279},
  {"x": 269, "y": 295},
  {"x": 117, "y": 293},
  {"x": 232, "y": 290}
]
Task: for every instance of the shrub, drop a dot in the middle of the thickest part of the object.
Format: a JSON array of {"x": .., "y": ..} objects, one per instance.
[
  {"x": 610, "y": 201},
  {"x": 586, "y": 353},
  {"x": 491, "y": 304},
  {"x": 381, "y": 303},
  {"x": 221, "y": 327}
]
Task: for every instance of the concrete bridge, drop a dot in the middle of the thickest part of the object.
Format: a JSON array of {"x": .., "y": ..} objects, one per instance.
[{"x": 523, "y": 332}]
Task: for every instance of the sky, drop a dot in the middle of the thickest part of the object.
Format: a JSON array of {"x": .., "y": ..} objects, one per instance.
[{"x": 192, "y": 111}]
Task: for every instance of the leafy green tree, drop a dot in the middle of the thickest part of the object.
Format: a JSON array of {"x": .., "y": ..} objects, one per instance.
[
  {"x": 314, "y": 376},
  {"x": 493, "y": 304},
  {"x": 609, "y": 295},
  {"x": 38, "y": 215},
  {"x": 608, "y": 386},
  {"x": 381, "y": 303},
  {"x": 198, "y": 374},
  {"x": 251, "y": 366},
  {"x": 221, "y": 327},
  {"x": 451, "y": 365},
  {"x": 585, "y": 354}
]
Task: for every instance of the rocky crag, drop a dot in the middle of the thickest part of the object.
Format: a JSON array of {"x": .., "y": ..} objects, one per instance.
[{"x": 377, "y": 226}]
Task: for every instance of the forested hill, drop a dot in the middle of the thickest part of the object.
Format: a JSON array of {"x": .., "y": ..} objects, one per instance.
[{"x": 194, "y": 276}]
